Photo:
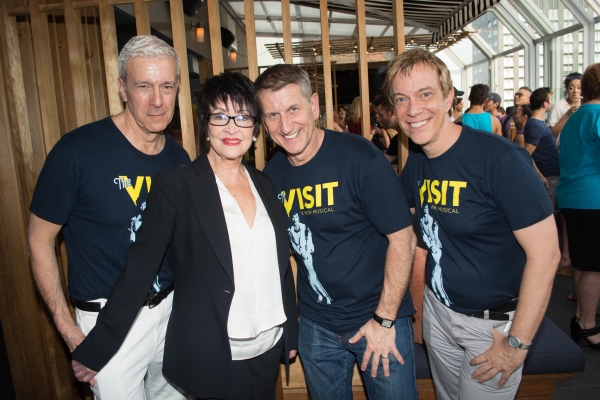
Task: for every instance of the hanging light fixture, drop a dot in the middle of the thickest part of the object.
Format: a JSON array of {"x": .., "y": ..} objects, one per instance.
[
  {"x": 233, "y": 56},
  {"x": 199, "y": 29}
]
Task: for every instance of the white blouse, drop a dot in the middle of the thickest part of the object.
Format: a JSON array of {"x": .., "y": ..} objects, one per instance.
[{"x": 256, "y": 314}]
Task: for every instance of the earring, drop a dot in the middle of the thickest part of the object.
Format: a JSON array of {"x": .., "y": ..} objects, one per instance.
[
  {"x": 208, "y": 139},
  {"x": 254, "y": 138}
]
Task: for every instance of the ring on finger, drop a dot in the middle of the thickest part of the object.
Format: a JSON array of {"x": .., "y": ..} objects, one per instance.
[{"x": 385, "y": 357}]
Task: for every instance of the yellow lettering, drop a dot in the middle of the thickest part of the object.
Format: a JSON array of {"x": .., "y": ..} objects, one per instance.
[
  {"x": 444, "y": 191},
  {"x": 134, "y": 191},
  {"x": 287, "y": 203},
  {"x": 310, "y": 200},
  {"x": 422, "y": 192},
  {"x": 329, "y": 186},
  {"x": 457, "y": 185},
  {"x": 148, "y": 183},
  {"x": 300, "y": 199},
  {"x": 428, "y": 190},
  {"x": 318, "y": 195},
  {"x": 436, "y": 193}
]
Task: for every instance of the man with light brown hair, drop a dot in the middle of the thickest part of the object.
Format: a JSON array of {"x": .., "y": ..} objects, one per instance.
[{"x": 488, "y": 224}]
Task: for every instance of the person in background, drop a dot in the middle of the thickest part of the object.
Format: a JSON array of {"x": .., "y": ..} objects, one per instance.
[
  {"x": 559, "y": 115},
  {"x": 502, "y": 112},
  {"x": 540, "y": 143},
  {"x": 94, "y": 186},
  {"x": 457, "y": 109},
  {"x": 509, "y": 130},
  {"x": 354, "y": 121},
  {"x": 521, "y": 116},
  {"x": 565, "y": 107},
  {"x": 492, "y": 104},
  {"x": 217, "y": 219},
  {"x": 578, "y": 196},
  {"x": 475, "y": 116},
  {"x": 340, "y": 118},
  {"x": 386, "y": 128}
]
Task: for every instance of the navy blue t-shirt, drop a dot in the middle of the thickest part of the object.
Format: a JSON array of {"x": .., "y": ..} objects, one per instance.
[
  {"x": 337, "y": 208},
  {"x": 468, "y": 201},
  {"x": 95, "y": 183},
  {"x": 546, "y": 153}
]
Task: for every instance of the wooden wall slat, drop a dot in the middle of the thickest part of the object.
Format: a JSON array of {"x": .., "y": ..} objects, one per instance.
[
  {"x": 214, "y": 28},
  {"x": 142, "y": 17},
  {"x": 363, "y": 67},
  {"x": 185, "y": 96},
  {"x": 399, "y": 45},
  {"x": 57, "y": 66},
  {"x": 89, "y": 68},
  {"x": 287, "y": 32},
  {"x": 260, "y": 145},
  {"x": 110, "y": 54},
  {"x": 19, "y": 307},
  {"x": 76, "y": 52},
  {"x": 97, "y": 66},
  {"x": 326, "y": 64},
  {"x": 45, "y": 76}
]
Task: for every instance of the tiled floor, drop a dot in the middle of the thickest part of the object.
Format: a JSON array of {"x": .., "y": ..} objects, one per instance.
[{"x": 584, "y": 385}]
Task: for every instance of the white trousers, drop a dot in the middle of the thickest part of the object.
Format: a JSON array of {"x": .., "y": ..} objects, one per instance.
[
  {"x": 135, "y": 371},
  {"x": 453, "y": 340}
]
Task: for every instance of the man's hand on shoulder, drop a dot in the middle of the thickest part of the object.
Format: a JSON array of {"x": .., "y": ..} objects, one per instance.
[
  {"x": 499, "y": 358},
  {"x": 380, "y": 342},
  {"x": 83, "y": 373}
]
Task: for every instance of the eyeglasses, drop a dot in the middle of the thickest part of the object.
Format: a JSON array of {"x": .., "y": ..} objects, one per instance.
[
  {"x": 242, "y": 120},
  {"x": 520, "y": 95}
]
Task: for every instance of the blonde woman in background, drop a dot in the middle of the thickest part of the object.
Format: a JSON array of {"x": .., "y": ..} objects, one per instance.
[{"x": 354, "y": 118}]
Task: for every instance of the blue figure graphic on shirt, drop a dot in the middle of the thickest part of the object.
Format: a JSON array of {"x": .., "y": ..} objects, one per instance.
[
  {"x": 301, "y": 239},
  {"x": 136, "y": 223},
  {"x": 429, "y": 231}
]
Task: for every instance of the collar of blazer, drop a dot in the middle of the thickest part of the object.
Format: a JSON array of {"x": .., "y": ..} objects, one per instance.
[{"x": 207, "y": 202}]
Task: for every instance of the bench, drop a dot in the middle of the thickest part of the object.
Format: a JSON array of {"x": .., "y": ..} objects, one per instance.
[{"x": 552, "y": 357}]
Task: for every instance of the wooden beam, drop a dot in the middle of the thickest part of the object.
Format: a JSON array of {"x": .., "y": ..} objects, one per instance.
[
  {"x": 260, "y": 146},
  {"x": 45, "y": 76},
  {"x": 142, "y": 17},
  {"x": 399, "y": 46},
  {"x": 326, "y": 64},
  {"x": 363, "y": 68},
  {"x": 81, "y": 90},
  {"x": 110, "y": 53},
  {"x": 214, "y": 27},
  {"x": 185, "y": 96},
  {"x": 287, "y": 32}
]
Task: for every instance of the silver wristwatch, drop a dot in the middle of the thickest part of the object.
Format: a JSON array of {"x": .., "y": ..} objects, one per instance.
[{"x": 516, "y": 343}]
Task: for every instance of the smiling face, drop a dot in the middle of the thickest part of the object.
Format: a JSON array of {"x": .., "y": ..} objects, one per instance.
[
  {"x": 574, "y": 91},
  {"x": 229, "y": 142},
  {"x": 422, "y": 109},
  {"x": 149, "y": 93},
  {"x": 289, "y": 117},
  {"x": 342, "y": 113}
]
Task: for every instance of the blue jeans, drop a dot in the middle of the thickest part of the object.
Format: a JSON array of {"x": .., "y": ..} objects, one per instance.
[{"x": 328, "y": 361}]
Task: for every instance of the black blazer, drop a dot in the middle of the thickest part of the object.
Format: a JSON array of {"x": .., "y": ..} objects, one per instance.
[{"x": 185, "y": 218}]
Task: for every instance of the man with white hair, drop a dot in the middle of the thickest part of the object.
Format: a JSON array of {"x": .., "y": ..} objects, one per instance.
[{"x": 94, "y": 186}]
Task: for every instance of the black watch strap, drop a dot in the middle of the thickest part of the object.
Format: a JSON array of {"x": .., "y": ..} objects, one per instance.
[{"x": 386, "y": 323}]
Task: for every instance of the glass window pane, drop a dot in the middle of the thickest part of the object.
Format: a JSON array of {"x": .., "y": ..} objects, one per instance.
[
  {"x": 588, "y": 9},
  {"x": 465, "y": 49},
  {"x": 511, "y": 76},
  {"x": 560, "y": 17},
  {"x": 494, "y": 33}
]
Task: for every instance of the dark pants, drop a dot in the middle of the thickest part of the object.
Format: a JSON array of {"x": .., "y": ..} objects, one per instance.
[{"x": 254, "y": 379}]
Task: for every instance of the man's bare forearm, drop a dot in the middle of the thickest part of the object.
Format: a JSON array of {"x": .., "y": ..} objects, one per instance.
[
  {"x": 44, "y": 266},
  {"x": 398, "y": 267}
]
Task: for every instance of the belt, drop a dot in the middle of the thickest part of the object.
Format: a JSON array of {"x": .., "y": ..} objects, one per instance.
[
  {"x": 497, "y": 314},
  {"x": 94, "y": 306}
]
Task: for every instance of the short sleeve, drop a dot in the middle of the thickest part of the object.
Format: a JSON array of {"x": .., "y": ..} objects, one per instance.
[
  {"x": 56, "y": 190},
  {"x": 392, "y": 151},
  {"x": 518, "y": 190},
  {"x": 382, "y": 197},
  {"x": 554, "y": 116},
  {"x": 533, "y": 134}
]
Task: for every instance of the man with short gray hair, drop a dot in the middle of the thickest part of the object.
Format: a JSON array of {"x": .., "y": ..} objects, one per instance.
[{"x": 94, "y": 186}]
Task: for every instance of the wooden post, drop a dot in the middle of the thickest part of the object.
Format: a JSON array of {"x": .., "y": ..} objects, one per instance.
[
  {"x": 363, "y": 68},
  {"x": 326, "y": 64},
  {"x": 110, "y": 53},
  {"x": 45, "y": 75},
  {"x": 399, "y": 45},
  {"x": 287, "y": 32},
  {"x": 185, "y": 96},
  {"x": 142, "y": 17},
  {"x": 82, "y": 108},
  {"x": 214, "y": 27}
]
